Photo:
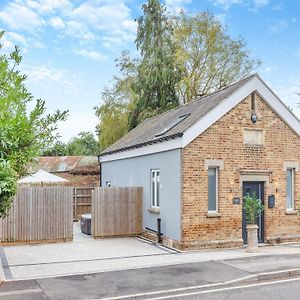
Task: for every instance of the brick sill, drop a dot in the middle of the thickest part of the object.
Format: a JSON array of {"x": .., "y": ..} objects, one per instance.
[
  {"x": 213, "y": 215},
  {"x": 291, "y": 212},
  {"x": 154, "y": 210}
]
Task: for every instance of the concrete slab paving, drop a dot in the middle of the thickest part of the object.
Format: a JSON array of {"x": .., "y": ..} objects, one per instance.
[
  {"x": 93, "y": 256},
  {"x": 31, "y": 261},
  {"x": 269, "y": 262}
]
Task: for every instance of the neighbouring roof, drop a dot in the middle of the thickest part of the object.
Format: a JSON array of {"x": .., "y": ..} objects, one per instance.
[
  {"x": 80, "y": 165},
  {"x": 42, "y": 176},
  {"x": 173, "y": 123}
]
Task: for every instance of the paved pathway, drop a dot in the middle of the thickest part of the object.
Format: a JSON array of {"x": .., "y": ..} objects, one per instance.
[
  {"x": 149, "y": 283},
  {"x": 93, "y": 256}
]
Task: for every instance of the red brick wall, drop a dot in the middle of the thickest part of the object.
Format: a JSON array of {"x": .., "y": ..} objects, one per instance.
[{"x": 224, "y": 140}]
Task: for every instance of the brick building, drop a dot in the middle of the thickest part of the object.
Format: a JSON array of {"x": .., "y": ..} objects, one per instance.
[
  {"x": 78, "y": 170},
  {"x": 197, "y": 161}
]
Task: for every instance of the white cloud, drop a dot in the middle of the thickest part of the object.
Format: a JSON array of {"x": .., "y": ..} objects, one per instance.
[
  {"x": 177, "y": 5},
  {"x": 90, "y": 54},
  {"x": 48, "y": 6},
  {"x": 252, "y": 5},
  {"x": 221, "y": 18},
  {"x": 297, "y": 52},
  {"x": 79, "y": 31},
  {"x": 287, "y": 90},
  {"x": 261, "y": 2},
  {"x": 77, "y": 122},
  {"x": 112, "y": 17},
  {"x": 51, "y": 78},
  {"x": 57, "y": 23},
  {"x": 17, "y": 16},
  {"x": 10, "y": 39},
  {"x": 87, "y": 22},
  {"x": 278, "y": 26},
  {"x": 16, "y": 37},
  {"x": 225, "y": 4},
  {"x": 7, "y": 45}
]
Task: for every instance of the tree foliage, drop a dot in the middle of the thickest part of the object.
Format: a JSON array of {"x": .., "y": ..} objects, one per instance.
[
  {"x": 8, "y": 186},
  {"x": 118, "y": 102},
  {"x": 208, "y": 57},
  {"x": 24, "y": 132},
  {"x": 83, "y": 144},
  {"x": 180, "y": 58},
  {"x": 157, "y": 74},
  {"x": 113, "y": 115}
]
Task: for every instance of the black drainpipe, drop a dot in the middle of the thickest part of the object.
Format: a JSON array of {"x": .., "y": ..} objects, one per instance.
[
  {"x": 100, "y": 170},
  {"x": 158, "y": 231}
]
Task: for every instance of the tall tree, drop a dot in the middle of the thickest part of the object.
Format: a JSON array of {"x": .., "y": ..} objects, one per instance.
[
  {"x": 180, "y": 58},
  {"x": 24, "y": 132},
  {"x": 208, "y": 57},
  {"x": 157, "y": 75}
]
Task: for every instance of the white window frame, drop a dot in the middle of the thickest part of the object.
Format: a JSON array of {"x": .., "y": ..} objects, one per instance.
[
  {"x": 154, "y": 197},
  {"x": 292, "y": 191},
  {"x": 217, "y": 190}
]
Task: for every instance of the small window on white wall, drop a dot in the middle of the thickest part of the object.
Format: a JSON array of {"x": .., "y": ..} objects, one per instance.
[
  {"x": 155, "y": 188},
  {"x": 290, "y": 188},
  {"x": 213, "y": 189}
]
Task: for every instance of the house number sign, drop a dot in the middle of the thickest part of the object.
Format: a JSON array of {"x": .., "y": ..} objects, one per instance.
[{"x": 236, "y": 201}]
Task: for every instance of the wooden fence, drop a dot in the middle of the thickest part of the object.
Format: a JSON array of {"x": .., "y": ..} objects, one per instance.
[
  {"x": 117, "y": 211},
  {"x": 39, "y": 214},
  {"x": 82, "y": 201}
]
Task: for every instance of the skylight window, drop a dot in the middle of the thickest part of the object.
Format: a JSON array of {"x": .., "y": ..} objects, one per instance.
[{"x": 173, "y": 124}]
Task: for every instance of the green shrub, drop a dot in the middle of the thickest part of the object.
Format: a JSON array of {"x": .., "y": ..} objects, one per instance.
[{"x": 8, "y": 187}]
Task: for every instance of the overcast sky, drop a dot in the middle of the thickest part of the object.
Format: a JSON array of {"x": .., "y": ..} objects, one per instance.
[{"x": 69, "y": 47}]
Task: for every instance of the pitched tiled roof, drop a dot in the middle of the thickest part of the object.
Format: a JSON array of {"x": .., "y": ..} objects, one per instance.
[{"x": 172, "y": 123}]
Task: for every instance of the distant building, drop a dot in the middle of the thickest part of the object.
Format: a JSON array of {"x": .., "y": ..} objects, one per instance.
[{"x": 78, "y": 170}]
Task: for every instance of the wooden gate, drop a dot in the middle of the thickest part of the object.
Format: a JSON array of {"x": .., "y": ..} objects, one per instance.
[
  {"x": 39, "y": 214},
  {"x": 117, "y": 211},
  {"x": 82, "y": 201}
]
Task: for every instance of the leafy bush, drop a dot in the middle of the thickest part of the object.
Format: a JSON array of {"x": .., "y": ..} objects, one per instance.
[
  {"x": 253, "y": 207},
  {"x": 8, "y": 187}
]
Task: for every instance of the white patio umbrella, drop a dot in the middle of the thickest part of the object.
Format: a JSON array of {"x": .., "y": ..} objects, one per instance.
[{"x": 42, "y": 176}]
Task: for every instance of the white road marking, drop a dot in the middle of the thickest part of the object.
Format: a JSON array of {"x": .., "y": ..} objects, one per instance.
[
  {"x": 225, "y": 289},
  {"x": 197, "y": 287},
  {"x": 20, "y": 292}
]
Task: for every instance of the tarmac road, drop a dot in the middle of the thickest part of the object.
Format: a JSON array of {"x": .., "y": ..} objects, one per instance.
[
  {"x": 285, "y": 289},
  {"x": 202, "y": 280}
]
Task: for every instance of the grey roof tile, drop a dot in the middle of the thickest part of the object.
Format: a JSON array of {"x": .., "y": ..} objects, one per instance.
[{"x": 161, "y": 127}]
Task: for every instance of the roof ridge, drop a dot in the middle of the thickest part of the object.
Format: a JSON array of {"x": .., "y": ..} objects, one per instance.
[{"x": 202, "y": 97}]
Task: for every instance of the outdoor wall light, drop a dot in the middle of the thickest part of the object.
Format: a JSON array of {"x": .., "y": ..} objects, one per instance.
[
  {"x": 254, "y": 118},
  {"x": 253, "y": 113}
]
